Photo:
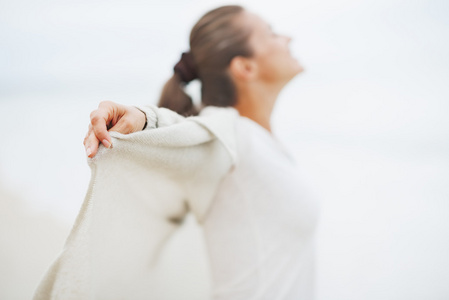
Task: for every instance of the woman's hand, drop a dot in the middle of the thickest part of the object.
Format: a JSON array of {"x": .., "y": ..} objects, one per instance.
[{"x": 111, "y": 116}]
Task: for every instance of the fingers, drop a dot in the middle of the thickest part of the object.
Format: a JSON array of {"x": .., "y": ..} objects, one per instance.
[
  {"x": 91, "y": 144},
  {"x": 101, "y": 118}
]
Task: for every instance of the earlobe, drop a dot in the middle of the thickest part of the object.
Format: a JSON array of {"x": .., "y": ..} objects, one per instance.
[{"x": 242, "y": 68}]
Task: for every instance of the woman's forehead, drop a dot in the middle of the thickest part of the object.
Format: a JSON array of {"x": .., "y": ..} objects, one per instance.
[{"x": 255, "y": 22}]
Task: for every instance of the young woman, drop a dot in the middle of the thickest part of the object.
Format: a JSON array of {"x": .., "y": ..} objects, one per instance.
[{"x": 259, "y": 225}]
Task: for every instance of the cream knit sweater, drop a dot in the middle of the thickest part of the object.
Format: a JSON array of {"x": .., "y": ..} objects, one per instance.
[{"x": 147, "y": 182}]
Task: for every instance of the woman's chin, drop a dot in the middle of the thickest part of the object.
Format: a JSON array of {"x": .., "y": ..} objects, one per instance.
[
  {"x": 298, "y": 69},
  {"x": 296, "y": 66}
]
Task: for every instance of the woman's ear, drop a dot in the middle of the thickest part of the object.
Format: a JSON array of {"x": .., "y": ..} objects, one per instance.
[{"x": 243, "y": 68}]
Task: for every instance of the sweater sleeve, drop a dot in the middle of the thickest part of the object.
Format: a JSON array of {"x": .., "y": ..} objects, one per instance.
[
  {"x": 139, "y": 192},
  {"x": 160, "y": 117}
]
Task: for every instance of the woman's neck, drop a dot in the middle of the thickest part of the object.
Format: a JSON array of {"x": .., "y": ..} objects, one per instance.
[{"x": 257, "y": 104}]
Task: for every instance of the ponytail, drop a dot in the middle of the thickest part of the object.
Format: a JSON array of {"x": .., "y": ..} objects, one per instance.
[
  {"x": 173, "y": 95},
  {"x": 175, "y": 98}
]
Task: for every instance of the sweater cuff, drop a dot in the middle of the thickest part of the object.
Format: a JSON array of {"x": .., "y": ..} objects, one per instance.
[{"x": 150, "y": 115}]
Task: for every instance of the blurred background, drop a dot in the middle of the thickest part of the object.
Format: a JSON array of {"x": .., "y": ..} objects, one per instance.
[{"x": 367, "y": 122}]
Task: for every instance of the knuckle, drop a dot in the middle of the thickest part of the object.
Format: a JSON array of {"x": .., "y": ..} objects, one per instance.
[
  {"x": 128, "y": 126},
  {"x": 94, "y": 119},
  {"x": 93, "y": 114}
]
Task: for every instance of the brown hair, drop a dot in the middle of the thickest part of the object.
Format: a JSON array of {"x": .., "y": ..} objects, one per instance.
[{"x": 214, "y": 41}]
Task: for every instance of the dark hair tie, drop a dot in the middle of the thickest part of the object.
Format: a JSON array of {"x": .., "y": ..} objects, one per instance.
[{"x": 185, "y": 68}]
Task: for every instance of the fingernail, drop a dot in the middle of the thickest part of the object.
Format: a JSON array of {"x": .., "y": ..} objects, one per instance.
[
  {"x": 107, "y": 144},
  {"x": 88, "y": 151}
]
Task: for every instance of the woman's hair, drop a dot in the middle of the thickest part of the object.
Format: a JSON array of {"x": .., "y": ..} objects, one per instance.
[{"x": 215, "y": 40}]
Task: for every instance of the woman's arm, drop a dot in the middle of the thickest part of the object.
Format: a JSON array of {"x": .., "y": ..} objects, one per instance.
[{"x": 139, "y": 193}]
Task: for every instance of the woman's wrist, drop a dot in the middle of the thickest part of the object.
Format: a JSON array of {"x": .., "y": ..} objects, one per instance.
[{"x": 145, "y": 115}]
